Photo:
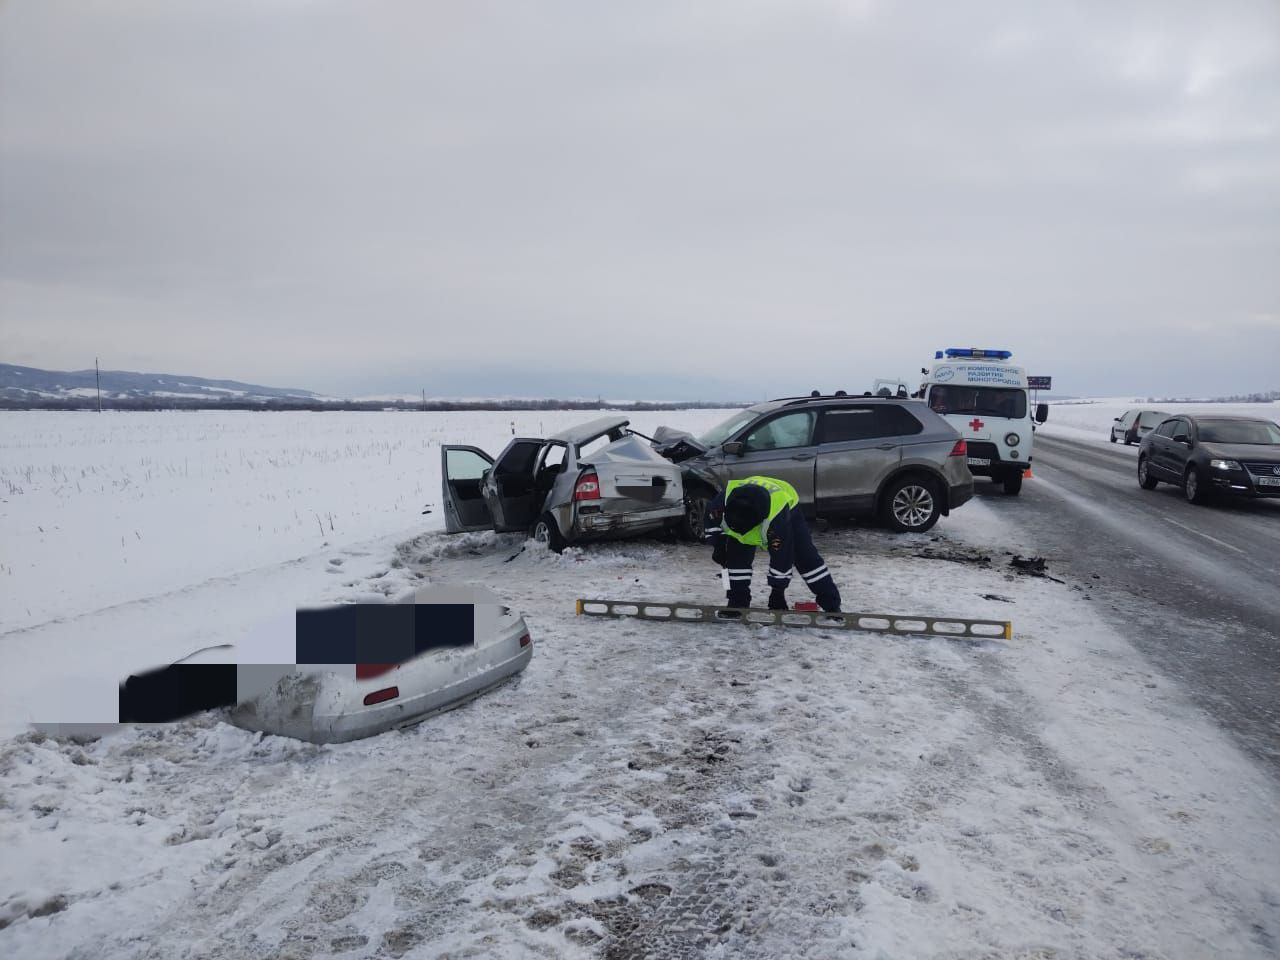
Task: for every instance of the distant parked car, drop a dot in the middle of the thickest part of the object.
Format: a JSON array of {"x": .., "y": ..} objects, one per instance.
[
  {"x": 1136, "y": 424},
  {"x": 1210, "y": 454},
  {"x": 595, "y": 481},
  {"x": 846, "y": 456}
]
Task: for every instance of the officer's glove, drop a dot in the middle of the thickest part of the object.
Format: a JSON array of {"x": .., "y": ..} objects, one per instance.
[{"x": 777, "y": 599}]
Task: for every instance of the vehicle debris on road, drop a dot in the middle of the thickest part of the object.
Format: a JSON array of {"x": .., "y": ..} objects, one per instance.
[{"x": 1033, "y": 566}]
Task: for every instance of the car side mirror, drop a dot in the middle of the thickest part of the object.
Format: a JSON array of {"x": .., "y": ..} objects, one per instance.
[
  {"x": 1117, "y": 419},
  {"x": 1042, "y": 412},
  {"x": 734, "y": 448}
]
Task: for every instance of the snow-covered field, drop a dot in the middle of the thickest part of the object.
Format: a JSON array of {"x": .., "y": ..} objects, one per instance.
[
  {"x": 642, "y": 789},
  {"x": 1091, "y": 420},
  {"x": 102, "y": 509}
]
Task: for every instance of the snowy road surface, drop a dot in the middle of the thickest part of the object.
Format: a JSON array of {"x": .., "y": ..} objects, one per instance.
[
  {"x": 1197, "y": 587},
  {"x": 679, "y": 791}
]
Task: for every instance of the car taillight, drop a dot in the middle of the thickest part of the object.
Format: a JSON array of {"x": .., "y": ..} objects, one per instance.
[
  {"x": 961, "y": 449},
  {"x": 378, "y": 696},
  {"x": 588, "y": 487},
  {"x": 526, "y": 640}
]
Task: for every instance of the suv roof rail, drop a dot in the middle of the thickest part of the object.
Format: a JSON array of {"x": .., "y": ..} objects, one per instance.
[{"x": 841, "y": 395}]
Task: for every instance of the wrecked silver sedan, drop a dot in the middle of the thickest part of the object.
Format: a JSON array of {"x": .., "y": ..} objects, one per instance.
[{"x": 596, "y": 481}]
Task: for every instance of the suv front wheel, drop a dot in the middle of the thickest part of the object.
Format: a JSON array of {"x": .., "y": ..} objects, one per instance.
[
  {"x": 911, "y": 505},
  {"x": 693, "y": 524}
]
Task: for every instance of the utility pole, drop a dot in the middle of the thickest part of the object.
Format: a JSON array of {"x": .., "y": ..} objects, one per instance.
[
  {"x": 97, "y": 378},
  {"x": 424, "y": 399}
]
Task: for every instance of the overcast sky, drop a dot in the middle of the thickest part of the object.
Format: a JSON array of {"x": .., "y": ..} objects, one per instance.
[{"x": 694, "y": 199}]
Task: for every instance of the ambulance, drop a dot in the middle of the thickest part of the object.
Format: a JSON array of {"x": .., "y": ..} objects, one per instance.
[{"x": 984, "y": 396}]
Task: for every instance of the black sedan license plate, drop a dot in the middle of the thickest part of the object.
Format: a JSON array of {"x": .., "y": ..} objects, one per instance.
[{"x": 1262, "y": 481}]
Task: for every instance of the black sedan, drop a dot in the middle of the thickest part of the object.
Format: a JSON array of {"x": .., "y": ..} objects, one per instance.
[{"x": 1209, "y": 454}]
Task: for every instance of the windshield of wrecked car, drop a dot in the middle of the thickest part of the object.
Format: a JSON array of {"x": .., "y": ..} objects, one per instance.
[
  {"x": 985, "y": 401},
  {"x": 1238, "y": 431},
  {"x": 719, "y": 434}
]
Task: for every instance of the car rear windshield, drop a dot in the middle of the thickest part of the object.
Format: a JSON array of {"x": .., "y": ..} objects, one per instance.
[
  {"x": 1151, "y": 418},
  {"x": 1239, "y": 431},
  {"x": 719, "y": 434},
  {"x": 985, "y": 401}
]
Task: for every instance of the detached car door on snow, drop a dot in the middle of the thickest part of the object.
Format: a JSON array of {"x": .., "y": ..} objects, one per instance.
[
  {"x": 462, "y": 470},
  {"x": 858, "y": 447},
  {"x": 781, "y": 447}
]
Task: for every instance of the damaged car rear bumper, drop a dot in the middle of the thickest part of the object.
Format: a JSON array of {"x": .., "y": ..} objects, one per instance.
[{"x": 596, "y": 522}]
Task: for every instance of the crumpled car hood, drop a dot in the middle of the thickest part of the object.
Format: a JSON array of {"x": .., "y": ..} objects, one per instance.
[{"x": 677, "y": 445}]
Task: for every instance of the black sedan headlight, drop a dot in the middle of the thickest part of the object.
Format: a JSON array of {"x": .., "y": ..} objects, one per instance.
[{"x": 1225, "y": 464}]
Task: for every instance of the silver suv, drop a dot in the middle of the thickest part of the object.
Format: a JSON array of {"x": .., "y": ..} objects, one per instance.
[{"x": 885, "y": 457}]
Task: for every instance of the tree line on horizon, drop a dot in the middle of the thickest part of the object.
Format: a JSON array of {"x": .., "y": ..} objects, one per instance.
[
  {"x": 1266, "y": 396},
  {"x": 278, "y": 404}
]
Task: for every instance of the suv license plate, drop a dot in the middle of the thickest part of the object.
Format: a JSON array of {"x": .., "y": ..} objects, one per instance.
[
  {"x": 980, "y": 462},
  {"x": 1262, "y": 481}
]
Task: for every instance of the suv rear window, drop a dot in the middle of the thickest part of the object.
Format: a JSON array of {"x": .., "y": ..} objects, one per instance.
[
  {"x": 867, "y": 423},
  {"x": 983, "y": 401}
]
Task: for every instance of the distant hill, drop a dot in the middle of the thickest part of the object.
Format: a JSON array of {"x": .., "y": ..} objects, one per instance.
[
  {"x": 28, "y": 388},
  {"x": 31, "y": 385}
]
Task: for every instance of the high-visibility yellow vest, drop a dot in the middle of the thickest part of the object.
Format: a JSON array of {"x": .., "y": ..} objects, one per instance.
[{"x": 781, "y": 496}]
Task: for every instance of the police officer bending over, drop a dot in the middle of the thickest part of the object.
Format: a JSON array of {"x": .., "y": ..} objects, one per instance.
[{"x": 764, "y": 512}]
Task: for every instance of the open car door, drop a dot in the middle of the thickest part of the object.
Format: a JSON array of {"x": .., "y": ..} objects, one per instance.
[
  {"x": 462, "y": 470},
  {"x": 510, "y": 489}
]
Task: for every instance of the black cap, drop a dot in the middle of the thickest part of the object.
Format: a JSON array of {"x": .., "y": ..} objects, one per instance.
[{"x": 746, "y": 508}]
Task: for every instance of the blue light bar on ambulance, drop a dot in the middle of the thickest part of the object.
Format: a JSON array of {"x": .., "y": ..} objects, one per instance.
[{"x": 955, "y": 353}]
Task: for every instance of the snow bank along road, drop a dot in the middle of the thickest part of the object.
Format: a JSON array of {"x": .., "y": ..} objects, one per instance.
[
  {"x": 1197, "y": 587},
  {"x": 680, "y": 791}
]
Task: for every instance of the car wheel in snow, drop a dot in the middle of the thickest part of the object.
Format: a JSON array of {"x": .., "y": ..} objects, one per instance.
[
  {"x": 1145, "y": 479},
  {"x": 1113, "y": 436},
  {"x": 694, "y": 523},
  {"x": 910, "y": 505},
  {"x": 545, "y": 530},
  {"x": 1196, "y": 492},
  {"x": 1013, "y": 483}
]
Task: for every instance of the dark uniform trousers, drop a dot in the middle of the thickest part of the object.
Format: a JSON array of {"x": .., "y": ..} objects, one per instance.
[{"x": 790, "y": 546}]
